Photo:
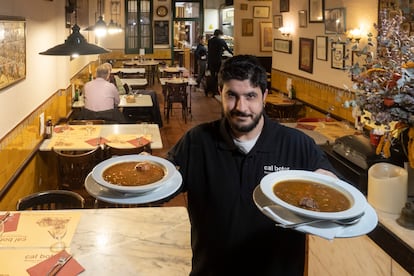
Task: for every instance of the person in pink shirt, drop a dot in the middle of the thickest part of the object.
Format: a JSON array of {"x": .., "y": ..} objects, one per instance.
[{"x": 100, "y": 94}]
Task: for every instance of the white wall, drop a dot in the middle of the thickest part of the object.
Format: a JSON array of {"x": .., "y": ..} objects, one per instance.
[
  {"x": 45, "y": 27},
  {"x": 357, "y": 13}
]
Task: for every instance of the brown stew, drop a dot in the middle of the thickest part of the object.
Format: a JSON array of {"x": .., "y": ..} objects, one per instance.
[
  {"x": 133, "y": 173},
  {"x": 311, "y": 196}
]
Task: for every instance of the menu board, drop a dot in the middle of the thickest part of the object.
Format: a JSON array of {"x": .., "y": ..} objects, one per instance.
[{"x": 161, "y": 32}]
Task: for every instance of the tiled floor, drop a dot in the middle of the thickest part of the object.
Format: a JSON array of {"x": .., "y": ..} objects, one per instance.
[{"x": 204, "y": 109}]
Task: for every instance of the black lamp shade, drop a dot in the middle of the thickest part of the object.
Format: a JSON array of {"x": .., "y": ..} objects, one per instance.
[{"x": 75, "y": 44}]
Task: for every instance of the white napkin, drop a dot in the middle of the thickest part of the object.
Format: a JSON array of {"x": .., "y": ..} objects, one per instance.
[{"x": 326, "y": 230}]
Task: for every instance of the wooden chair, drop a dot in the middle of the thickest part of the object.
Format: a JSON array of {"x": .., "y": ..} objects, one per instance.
[
  {"x": 112, "y": 151},
  {"x": 176, "y": 93},
  {"x": 51, "y": 200},
  {"x": 73, "y": 167}
]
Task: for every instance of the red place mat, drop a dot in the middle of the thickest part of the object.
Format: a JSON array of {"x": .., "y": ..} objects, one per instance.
[
  {"x": 71, "y": 268},
  {"x": 141, "y": 141}
]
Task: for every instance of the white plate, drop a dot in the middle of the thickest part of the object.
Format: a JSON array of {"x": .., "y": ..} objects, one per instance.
[
  {"x": 107, "y": 195},
  {"x": 366, "y": 224},
  {"x": 358, "y": 200},
  {"x": 101, "y": 167}
]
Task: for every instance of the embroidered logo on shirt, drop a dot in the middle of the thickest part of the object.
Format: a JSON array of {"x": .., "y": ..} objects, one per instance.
[{"x": 273, "y": 168}]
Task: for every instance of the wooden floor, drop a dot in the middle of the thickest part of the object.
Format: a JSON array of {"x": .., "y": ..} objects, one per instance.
[{"x": 203, "y": 109}]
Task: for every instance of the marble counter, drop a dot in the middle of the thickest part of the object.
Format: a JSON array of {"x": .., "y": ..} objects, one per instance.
[{"x": 119, "y": 241}]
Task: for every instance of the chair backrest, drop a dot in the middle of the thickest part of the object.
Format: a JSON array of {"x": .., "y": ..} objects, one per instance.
[
  {"x": 176, "y": 92},
  {"x": 51, "y": 200},
  {"x": 85, "y": 122},
  {"x": 73, "y": 167},
  {"x": 112, "y": 151}
]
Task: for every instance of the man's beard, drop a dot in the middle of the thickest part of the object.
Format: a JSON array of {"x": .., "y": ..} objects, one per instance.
[{"x": 243, "y": 128}]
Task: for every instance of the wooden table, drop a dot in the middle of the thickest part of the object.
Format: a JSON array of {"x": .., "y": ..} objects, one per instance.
[
  {"x": 149, "y": 65},
  {"x": 74, "y": 137},
  {"x": 111, "y": 241},
  {"x": 323, "y": 132},
  {"x": 140, "y": 101}
]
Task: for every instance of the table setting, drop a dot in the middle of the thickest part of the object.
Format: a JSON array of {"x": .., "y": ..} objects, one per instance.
[
  {"x": 98, "y": 185},
  {"x": 38, "y": 243},
  {"x": 359, "y": 218}
]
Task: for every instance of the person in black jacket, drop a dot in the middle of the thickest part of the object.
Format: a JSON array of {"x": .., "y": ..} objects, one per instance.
[
  {"x": 222, "y": 162},
  {"x": 201, "y": 55},
  {"x": 216, "y": 46}
]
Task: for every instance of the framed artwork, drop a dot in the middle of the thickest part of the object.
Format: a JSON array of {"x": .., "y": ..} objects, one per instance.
[
  {"x": 359, "y": 60},
  {"x": 284, "y": 6},
  {"x": 261, "y": 11},
  {"x": 266, "y": 36},
  {"x": 244, "y": 7},
  {"x": 277, "y": 21},
  {"x": 338, "y": 55},
  {"x": 316, "y": 8},
  {"x": 303, "y": 20},
  {"x": 306, "y": 54},
  {"x": 322, "y": 47},
  {"x": 13, "y": 50},
  {"x": 335, "y": 21},
  {"x": 161, "y": 32},
  {"x": 282, "y": 45},
  {"x": 247, "y": 27}
]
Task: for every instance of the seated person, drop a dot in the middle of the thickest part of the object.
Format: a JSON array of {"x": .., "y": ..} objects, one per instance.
[
  {"x": 102, "y": 98},
  {"x": 115, "y": 80},
  {"x": 100, "y": 94}
]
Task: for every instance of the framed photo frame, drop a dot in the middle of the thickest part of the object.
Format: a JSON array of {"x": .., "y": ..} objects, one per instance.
[
  {"x": 338, "y": 55},
  {"x": 306, "y": 54},
  {"x": 303, "y": 19},
  {"x": 244, "y": 7},
  {"x": 322, "y": 48},
  {"x": 359, "y": 60},
  {"x": 277, "y": 21},
  {"x": 261, "y": 12},
  {"x": 282, "y": 45},
  {"x": 266, "y": 36},
  {"x": 335, "y": 21},
  {"x": 284, "y": 5},
  {"x": 316, "y": 8},
  {"x": 13, "y": 53},
  {"x": 247, "y": 27}
]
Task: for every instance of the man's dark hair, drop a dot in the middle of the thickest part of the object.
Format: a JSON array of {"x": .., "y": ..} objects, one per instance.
[
  {"x": 218, "y": 32},
  {"x": 243, "y": 67}
]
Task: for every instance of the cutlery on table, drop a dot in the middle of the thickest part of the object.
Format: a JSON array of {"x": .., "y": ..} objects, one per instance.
[
  {"x": 58, "y": 265},
  {"x": 5, "y": 216}
]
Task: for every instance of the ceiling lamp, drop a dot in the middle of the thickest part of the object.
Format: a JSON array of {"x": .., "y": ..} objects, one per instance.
[
  {"x": 75, "y": 45},
  {"x": 100, "y": 28}
]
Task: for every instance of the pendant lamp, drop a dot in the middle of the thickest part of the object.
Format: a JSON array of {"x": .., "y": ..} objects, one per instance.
[{"x": 75, "y": 45}]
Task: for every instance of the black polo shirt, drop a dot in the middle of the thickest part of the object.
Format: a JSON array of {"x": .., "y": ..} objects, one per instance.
[{"x": 230, "y": 236}]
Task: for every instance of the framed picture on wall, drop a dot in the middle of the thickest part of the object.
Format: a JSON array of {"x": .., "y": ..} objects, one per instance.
[
  {"x": 322, "y": 47},
  {"x": 266, "y": 36},
  {"x": 13, "y": 53},
  {"x": 261, "y": 11},
  {"x": 335, "y": 21},
  {"x": 316, "y": 8},
  {"x": 247, "y": 27},
  {"x": 277, "y": 21},
  {"x": 306, "y": 54},
  {"x": 303, "y": 19},
  {"x": 282, "y": 45},
  {"x": 338, "y": 55},
  {"x": 284, "y": 5}
]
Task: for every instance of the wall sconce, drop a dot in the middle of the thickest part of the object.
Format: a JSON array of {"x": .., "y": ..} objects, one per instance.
[
  {"x": 285, "y": 30},
  {"x": 355, "y": 35}
]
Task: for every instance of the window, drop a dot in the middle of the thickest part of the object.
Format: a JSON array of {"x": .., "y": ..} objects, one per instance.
[{"x": 138, "y": 26}]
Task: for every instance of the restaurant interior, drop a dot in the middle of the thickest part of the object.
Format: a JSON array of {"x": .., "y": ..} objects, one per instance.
[{"x": 314, "y": 52}]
